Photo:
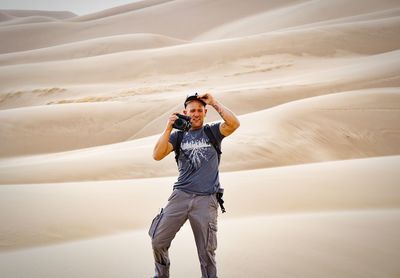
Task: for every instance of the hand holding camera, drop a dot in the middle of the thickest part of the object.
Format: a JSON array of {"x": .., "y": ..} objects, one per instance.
[
  {"x": 179, "y": 121},
  {"x": 182, "y": 123}
]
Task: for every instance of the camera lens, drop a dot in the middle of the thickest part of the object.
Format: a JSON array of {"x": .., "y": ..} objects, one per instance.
[
  {"x": 182, "y": 123},
  {"x": 179, "y": 123}
]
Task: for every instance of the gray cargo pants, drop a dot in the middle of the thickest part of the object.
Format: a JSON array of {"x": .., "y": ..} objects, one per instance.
[{"x": 202, "y": 212}]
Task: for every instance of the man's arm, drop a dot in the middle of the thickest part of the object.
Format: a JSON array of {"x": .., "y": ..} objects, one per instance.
[
  {"x": 163, "y": 147},
  {"x": 231, "y": 122}
]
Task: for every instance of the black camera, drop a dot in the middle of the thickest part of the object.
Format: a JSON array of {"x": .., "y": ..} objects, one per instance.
[{"x": 182, "y": 123}]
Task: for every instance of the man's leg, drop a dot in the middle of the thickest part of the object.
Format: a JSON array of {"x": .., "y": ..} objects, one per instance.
[
  {"x": 203, "y": 220},
  {"x": 172, "y": 218}
]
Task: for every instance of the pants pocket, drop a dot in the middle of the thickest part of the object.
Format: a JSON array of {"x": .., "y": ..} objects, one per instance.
[
  {"x": 212, "y": 237},
  {"x": 154, "y": 224},
  {"x": 213, "y": 201}
]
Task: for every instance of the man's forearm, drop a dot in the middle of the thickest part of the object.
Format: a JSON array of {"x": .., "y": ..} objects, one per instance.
[
  {"x": 161, "y": 147},
  {"x": 227, "y": 115}
]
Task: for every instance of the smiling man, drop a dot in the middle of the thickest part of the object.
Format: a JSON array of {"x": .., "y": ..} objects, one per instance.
[{"x": 197, "y": 191}]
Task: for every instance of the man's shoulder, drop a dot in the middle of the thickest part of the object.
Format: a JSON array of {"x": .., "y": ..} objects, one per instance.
[{"x": 214, "y": 130}]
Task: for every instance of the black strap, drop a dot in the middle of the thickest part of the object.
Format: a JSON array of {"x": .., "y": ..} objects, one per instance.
[
  {"x": 177, "y": 147},
  {"x": 213, "y": 141},
  {"x": 221, "y": 201},
  {"x": 210, "y": 135}
]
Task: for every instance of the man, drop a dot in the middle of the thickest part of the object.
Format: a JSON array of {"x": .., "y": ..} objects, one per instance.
[{"x": 194, "y": 194}]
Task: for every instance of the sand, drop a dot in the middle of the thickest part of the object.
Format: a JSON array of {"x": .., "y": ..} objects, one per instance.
[{"x": 311, "y": 176}]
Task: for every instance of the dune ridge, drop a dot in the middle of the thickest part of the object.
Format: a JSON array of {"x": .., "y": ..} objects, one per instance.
[
  {"x": 89, "y": 48},
  {"x": 29, "y": 20},
  {"x": 11, "y": 14},
  {"x": 119, "y": 10}
]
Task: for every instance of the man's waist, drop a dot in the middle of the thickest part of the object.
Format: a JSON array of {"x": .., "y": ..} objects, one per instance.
[{"x": 189, "y": 190}]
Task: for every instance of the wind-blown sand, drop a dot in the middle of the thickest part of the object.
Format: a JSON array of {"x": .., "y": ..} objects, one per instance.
[{"x": 311, "y": 176}]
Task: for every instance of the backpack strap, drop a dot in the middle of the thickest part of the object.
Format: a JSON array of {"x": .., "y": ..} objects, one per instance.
[
  {"x": 213, "y": 141},
  {"x": 177, "y": 147}
]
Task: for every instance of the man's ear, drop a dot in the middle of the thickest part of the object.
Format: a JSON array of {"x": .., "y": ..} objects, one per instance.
[
  {"x": 205, "y": 111},
  {"x": 184, "y": 112}
]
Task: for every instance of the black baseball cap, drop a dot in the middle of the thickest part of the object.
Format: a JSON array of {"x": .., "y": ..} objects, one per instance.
[{"x": 193, "y": 96}]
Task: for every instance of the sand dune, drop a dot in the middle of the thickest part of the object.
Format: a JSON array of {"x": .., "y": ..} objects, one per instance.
[
  {"x": 208, "y": 56},
  {"x": 10, "y": 14},
  {"x": 311, "y": 176},
  {"x": 136, "y": 21},
  {"x": 363, "y": 17},
  {"x": 28, "y": 20},
  {"x": 341, "y": 37},
  {"x": 120, "y": 10},
  {"x": 141, "y": 21},
  {"x": 299, "y": 245},
  {"x": 64, "y": 211},
  {"x": 324, "y": 128},
  {"x": 310, "y": 130},
  {"x": 57, "y": 128},
  {"x": 17, "y": 17},
  {"x": 5, "y": 16},
  {"x": 299, "y": 14},
  {"x": 89, "y": 48}
]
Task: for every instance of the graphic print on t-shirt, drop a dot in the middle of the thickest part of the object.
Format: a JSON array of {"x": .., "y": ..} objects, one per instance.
[{"x": 197, "y": 151}]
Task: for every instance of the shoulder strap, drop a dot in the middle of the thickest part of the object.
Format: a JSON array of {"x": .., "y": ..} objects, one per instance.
[
  {"x": 177, "y": 147},
  {"x": 213, "y": 140}
]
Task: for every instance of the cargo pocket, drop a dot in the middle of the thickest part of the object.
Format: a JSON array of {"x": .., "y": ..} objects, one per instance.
[
  {"x": 212, "y": 237},
  {"x": 213, "y": 201},
  {"x": 154, "y": 224}
]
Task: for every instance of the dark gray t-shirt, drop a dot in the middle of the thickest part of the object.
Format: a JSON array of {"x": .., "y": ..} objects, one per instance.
[{"x": 198, "y": 161}]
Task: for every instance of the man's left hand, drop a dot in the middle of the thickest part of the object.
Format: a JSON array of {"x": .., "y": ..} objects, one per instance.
[{"x": 207, "y": 98}]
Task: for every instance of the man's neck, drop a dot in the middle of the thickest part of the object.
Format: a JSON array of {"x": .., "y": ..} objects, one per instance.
[{"x": 197, "y": 128}]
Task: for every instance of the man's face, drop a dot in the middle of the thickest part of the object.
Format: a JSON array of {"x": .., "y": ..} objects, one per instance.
[{"x": 197, "y": 112}]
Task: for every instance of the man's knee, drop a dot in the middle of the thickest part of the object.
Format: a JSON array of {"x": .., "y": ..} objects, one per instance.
[{"x": 159, "y": 244}]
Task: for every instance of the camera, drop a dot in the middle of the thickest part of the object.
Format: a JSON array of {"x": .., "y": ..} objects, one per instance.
[{"x": 182, "y": 123}]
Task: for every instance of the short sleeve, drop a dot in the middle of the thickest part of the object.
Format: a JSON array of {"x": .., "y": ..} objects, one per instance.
[
  {"x": 216, "y": 131},
  {"x": 172, "y": 138}
]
